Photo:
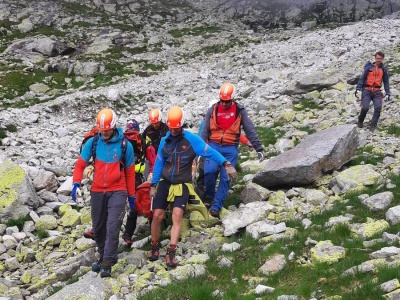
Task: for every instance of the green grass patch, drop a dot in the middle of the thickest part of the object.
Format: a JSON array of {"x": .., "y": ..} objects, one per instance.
[
  {"x": 42, "y": 233},
  {"x": 367, "y": 155},
  {"x": 3, "y": 134},
  {"x": 269, "y": 136},
  {"x": 394, "y": 129},
  {"x": 217, "y": 48},
  {"x": 18, "y": 222},
  {"x": 306, "y": 104},
  {"x": 11, "y": 128}
]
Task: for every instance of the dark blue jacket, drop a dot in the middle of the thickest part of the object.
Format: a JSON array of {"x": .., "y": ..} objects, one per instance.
[{"x": 367, "y": 68}]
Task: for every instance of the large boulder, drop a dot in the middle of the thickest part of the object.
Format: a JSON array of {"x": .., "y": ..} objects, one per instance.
[
  {"x": 17, "y": 194},
  {"x": 318, "y": 154}
]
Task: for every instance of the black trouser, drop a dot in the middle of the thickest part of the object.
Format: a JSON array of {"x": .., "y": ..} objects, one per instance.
[
  {"x": 131, "y": 219},
  {"x": 366, "y": 98}
]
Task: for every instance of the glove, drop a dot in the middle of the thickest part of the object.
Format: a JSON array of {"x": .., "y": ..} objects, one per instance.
[
  {"x": 355, "y": 93},
  {"x": 260, "y": 156},
  {"x": 76, "y": 191},
  {"x": 153, "y": 191},
  {"x": 230, "y": 171},
  {"x": 131, "y": 200},
  {"x": 251, "y": 148}
]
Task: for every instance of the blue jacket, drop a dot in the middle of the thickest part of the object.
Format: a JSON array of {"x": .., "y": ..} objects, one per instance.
[
  {"x": 367, "y": 68},
  {"x": 175, "y": 157}
]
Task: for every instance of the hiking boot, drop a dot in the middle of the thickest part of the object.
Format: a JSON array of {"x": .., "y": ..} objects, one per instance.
[
  {"x": 372, "y": 127},
  {"x": 154, "y": 252},
  {"x": 214, "y": 213},
  {"x": 128, "y": 240},
  {"x": 170, "y": 258},
  {"x": 89, "y": 234},
  {"x": 96, "y": 266},
  {"x": 360, "y": 124},
  {"x": 105, "y": 272}
]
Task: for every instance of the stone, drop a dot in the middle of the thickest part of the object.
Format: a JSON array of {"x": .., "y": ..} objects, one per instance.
[
  {"x": 273, "y": 265},
  {"x": 254, "y": 192},
  {"x": 378, "y": 201},
  {"x": 326, "y": 252}
]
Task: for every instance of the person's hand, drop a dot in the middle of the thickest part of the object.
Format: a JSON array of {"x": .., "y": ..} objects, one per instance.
[
  {"x": 150, "y": 176},
  {"x": 230, "y": 171},
  {"x": 251, "y": 148},
  {"x": 355, "y": 93},
  {"x": 153, "y": 191},
  {"x": 131, "y": 200},
  {"x": 260, "y": 156},
  {"x": 76, "y": 191}
]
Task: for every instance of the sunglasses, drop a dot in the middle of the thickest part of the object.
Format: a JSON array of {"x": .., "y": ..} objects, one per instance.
[{"x": 226, "y": 102}]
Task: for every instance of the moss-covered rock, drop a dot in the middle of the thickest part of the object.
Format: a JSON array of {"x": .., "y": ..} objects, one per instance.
[
  {"x": 71, "y": 218},
  {"x": 326, "y": 252}
]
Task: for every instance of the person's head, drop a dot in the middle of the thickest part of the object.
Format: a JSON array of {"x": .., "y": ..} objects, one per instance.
[
  {"x": 175, "y": 120},
  {"x": 227, "y": 95},
  {"x": 155, "y": 117},
  {"x": 133, "y": 125},
  {"x": 379, "y": 56},
  {"x": 106, "y": 121}
]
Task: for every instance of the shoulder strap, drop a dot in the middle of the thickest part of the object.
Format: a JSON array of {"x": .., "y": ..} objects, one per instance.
[
  {"x": 123, "y": 152},
  {"x": 94, "y": 146}
]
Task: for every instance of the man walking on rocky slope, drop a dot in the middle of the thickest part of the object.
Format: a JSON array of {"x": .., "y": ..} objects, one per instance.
[
  {"x": 222, "y": 129},
  {"x": 113, "y": 182},
  {"x": 370, "y": 83},
  {"x": 173, "y": 178}
]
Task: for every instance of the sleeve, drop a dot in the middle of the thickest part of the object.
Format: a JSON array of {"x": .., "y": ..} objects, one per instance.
[
  {"x": 243, "y": 140},
  {"x": 361, "y": 81},
  {"x": 250, "y": 131},
  {"x": 130, "y": 175},
  {"x": 82, "y": 161},
  {"x": 206, "y": 126},
  {"x": 386, "y": 81},
  {"x": 201, "y": 148},
  {"x": 159, "y": 164}
]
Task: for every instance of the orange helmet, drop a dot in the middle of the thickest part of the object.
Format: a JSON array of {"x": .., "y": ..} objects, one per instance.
[
  {"x": 106, "y": 119},
  {"x": 155, "y": 116},
  {"x": 175, "y": 117},
  {"x": 227, "y": 92}
]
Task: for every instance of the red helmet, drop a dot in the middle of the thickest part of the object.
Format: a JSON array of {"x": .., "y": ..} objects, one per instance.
[
  {"x": 106, "y": 119},
  {"x": 155, "y": 116},
  {"x": 227, "y": 92},
  {"x": 175, "y": 117}
]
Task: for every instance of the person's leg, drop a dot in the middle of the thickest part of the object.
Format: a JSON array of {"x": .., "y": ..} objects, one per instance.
[
  {"x": 211, "y": 168},
  {"x": 365, "y": 100},
  {"x": 159, "y": 206},
  {"x": 98, "y": 203},
  {"x": 231, "y": 154},
  {"x": 116, "y": 212},
  {"x": 377, "y": 100},
  {"x": 130, "y": 225},
  {"x": 178, "y": 210}
]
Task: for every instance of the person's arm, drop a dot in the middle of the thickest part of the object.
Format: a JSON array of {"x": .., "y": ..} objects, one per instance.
[
  {"x": 130, "y": 175},
  {"x": 151, "y": 157},
  {"x": 201, "y": 148},
  {"x": 386, "y": 81},
  {"x": 159, "y": 164},
  {"x": 250, "y": 131},
  {"x": 361, "y": 81},
  {"x": 82, "y": 161},
  {"x": 206, "y": 126}
]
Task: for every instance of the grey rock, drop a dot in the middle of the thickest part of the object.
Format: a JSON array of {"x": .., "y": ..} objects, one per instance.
[
  {"x": 225, "y": 263},
  {"x": 393, "y": 215},
  {"x": 253, "y": 192},
  {"x": 378, "y": 201},
  {"x": 273, "y": 265},
  {"x": 230, "y": 247},
  {"x": 321, "y": 152},
  {"x": 390, "y": 285},
  {"x": 385, "y": 252}
]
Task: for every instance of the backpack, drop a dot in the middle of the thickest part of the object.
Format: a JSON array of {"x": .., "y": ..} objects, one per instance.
[
  {"x": 135, "y": 139},
  {"x": 143, "y": 200},
  {"x": 95, "y": 134}
]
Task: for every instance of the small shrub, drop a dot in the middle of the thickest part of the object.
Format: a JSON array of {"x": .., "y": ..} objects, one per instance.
[
  {"x": 394, "y": 129},
  {"x": 2, "y": 134},
  {"x": 366, "y": 155},
  {"x": 17, "y": 222},
  {"x": 306, "y": 104},
  {"x": 42, "y": 233},
  {"x": 11, "y": 128}
]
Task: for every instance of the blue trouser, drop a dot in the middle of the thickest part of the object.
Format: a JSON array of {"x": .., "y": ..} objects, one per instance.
[
  {"x": 108, "y": 211},
  {"x": 211, "y": 169},
  {"x": 366, "y": 98}
]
